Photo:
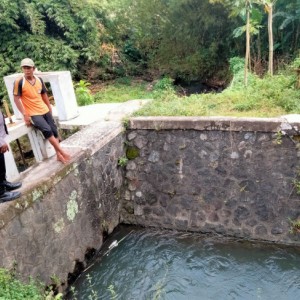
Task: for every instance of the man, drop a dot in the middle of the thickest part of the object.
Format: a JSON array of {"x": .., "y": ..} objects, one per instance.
[
  {"x": 30, "y": 96},
  {"x": 6, "y": 187}
]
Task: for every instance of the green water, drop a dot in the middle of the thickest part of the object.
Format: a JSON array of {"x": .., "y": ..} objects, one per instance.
[{"x": 152, "y": 264}]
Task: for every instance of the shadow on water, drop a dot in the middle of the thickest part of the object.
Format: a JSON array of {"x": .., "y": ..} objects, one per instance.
[{"x": 137, "y": 263}]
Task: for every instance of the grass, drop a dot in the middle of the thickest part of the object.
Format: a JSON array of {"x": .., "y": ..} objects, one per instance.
[
  {"x": 122, "y": 91},
  {"x": 266, "y": 97}
]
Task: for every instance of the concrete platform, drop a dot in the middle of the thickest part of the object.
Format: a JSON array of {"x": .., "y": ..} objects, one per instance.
[
  {"x": 106, "y": 119},
  {"x": 101, "y": 112}
]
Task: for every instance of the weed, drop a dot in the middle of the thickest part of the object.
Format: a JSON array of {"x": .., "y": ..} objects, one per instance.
[
  {"x": 83, "y": 94},
  {"x": 296, "y": 183},
  {"x": 93, "y": 294},
  {"x": 126, "y": 122},
  {"x": 279, "y": 137},
  {"x": 74, "y": 293},
  {"x": 295, "y": 226},
  {"x": 122, "y": 161},
  {"x": 112, "y": 292},
  {"x": 55, "y": 279}
]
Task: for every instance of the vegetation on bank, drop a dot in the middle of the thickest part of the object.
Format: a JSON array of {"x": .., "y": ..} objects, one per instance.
[
  {"x": 13, "y": 288},
  {"x": 268, "y": 96},
  {"x": 264, "y": 97}
]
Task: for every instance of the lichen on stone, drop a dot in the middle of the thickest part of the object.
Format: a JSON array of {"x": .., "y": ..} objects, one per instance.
[
  {"x": 56, "y": 180},
  {"x": 76, "y": 172},
  {"x": 72, "y": 206},
  {"x": 59, "y": 225},
  {"x": 36, "y": 194}
]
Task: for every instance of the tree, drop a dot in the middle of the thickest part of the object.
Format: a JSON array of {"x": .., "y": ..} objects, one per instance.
[
  {"x": 269, "y": 5},
  {"x": 240, "y": 7},
  {"x": 288, "y": 19},
  {"x": 55, "y": 34}
]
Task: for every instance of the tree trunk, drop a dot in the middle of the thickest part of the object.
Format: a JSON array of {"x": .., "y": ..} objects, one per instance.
[
  {"x": 296, "y": 39},
  {"x": 247, "y": 55},
  {"x": 270, "y": 32}
]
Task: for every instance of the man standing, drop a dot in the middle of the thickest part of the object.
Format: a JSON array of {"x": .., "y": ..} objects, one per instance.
[
  {"x": 30, "y": 96},
  {"x": 6, "y": 187}
]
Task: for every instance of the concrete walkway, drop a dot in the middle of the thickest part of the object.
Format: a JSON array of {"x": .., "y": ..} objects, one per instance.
[{"x": 102, "y": 112}]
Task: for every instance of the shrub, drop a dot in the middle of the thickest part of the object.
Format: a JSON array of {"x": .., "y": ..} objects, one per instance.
[
  {"x": 296, "y": 63},
  {"x": 12, "y": 288},
  {"x": 166, "y": 83},
  {"x": 83, "y": 94},
  {"x": 236, "y": 64}
]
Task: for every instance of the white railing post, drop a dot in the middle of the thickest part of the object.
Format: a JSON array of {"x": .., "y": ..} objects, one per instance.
[{"x": 12, "y": 172}]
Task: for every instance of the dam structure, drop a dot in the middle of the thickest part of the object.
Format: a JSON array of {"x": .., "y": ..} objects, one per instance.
[{"x": 234, "y": 177}]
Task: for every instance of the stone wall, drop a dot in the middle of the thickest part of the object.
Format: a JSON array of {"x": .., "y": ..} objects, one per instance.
[
  {"x": 62, "y": 217},
  {"x": 228, "y": 176}
]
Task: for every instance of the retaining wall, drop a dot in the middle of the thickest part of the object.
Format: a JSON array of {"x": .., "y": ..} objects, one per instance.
[{"x": 228, "y": 176}]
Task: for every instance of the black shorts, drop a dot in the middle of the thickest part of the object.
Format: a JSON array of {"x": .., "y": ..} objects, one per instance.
[{"x": 45, "y": 124}]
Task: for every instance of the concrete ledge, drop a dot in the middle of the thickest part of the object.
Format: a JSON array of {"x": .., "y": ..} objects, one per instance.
[
  {"x": 36, "y": 183},
  {"x": 214, "y": 123}
]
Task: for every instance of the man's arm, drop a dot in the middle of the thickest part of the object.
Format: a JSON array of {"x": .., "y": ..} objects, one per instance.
[
  {"x": 47, "y": 102},
  {"x": 20, "y": 107},
  {"x": 45, "y": 95}
]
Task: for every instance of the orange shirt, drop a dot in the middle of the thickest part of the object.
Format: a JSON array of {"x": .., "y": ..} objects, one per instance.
[{"x": 30, "y": 95}]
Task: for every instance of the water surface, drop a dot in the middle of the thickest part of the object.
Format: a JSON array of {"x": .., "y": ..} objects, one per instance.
[{"x": 155, "y": 264}]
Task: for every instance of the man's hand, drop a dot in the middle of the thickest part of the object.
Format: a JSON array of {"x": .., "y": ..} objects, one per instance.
[
  {"x": 27, "y": 120},
  {"x": 4, "y": 148}
]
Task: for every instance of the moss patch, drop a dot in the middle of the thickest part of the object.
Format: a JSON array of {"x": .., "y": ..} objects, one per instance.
[{"x": 132, "y": 152}]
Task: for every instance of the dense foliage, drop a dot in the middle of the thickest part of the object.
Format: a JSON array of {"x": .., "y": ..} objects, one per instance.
[
  {"x": 55, "y": 34},
  {"x": 187, "y": 39}
]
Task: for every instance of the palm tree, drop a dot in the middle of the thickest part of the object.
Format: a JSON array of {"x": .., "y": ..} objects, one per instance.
[
  {"x": 238, "y": 7},
  {"x": 269, "y": 5}
]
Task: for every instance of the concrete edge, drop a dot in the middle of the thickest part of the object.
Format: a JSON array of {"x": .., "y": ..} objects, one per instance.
[{"x": 214, "y": 123}]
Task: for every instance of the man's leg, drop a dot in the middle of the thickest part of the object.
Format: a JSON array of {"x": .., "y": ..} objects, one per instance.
[
  {"x": 2, "y": 168},
  {"x": 2, "y": 174},
  {"x": 6, "y": 186},
  {"x": 62, "y": 156},
  {"x": 49, "y": 131},
  {"x": 9, "y": 186}
]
